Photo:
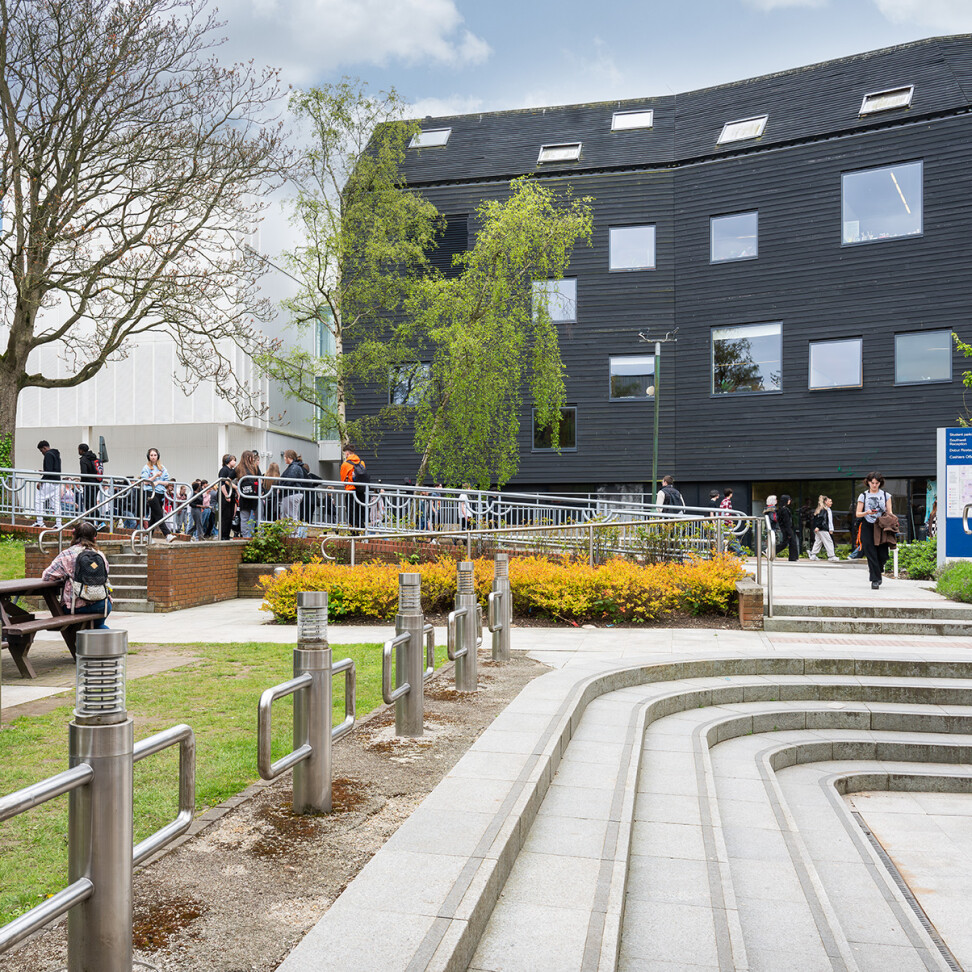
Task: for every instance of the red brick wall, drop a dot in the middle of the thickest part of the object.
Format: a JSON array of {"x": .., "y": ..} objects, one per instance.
[
  {"x": 750, "y": 604},
  {"x": 182, "y": 575}
]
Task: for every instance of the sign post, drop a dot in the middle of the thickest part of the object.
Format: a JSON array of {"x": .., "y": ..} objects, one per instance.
[{"x": 954, "y": 492}]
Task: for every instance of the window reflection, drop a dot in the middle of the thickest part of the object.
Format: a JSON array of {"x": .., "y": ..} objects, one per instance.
[{"x": 882, "y": 204}]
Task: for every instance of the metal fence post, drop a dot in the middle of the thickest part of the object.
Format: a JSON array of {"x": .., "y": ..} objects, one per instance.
[
  {"x": 409, "y": 657},
  {"x": 501, "y": 608},
  {"x": 467, "y": 666},
  {"x": 101, "y": 814}
]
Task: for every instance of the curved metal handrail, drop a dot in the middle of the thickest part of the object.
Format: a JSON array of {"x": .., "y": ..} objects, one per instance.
[
  {"x": 86, "y": 515},
  {"x": 146, "y": 532}
]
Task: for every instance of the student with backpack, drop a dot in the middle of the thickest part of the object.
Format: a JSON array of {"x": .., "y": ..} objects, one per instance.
[
  {"x": 669, "y": 496},
  {"x": 823, "y": 528},
  {"x": 84, "y": 570},
  {"x": 873, "y": 505},
  {"x": 354, "y": 475},
  {"x": 290, "y": 498}
]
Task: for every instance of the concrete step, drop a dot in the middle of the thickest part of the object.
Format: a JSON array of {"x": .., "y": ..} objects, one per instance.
[
  {"x": 139, "y": 605},
  {"x": 128, "y": 570},
  {"x": 947, "y": 611},
  {"x": 862, "y": 625}
]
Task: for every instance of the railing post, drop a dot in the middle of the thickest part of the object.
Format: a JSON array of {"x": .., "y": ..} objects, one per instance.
[
  {"x": 501, "y": 588},
  {"x": 312, "y": 705},
  {"x": 409, "y": 660},
  {"x": 467, "y": 667},
  {"x": 100, "y": 816}
]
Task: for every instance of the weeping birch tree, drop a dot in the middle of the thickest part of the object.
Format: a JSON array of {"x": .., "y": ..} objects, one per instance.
[{"x": 492, "y": 338}]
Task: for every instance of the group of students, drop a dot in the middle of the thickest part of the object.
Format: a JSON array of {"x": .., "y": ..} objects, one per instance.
[{"x": 873, "y": 530}]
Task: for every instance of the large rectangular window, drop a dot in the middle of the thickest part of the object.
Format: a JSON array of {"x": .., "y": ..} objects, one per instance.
[
  {"x": 922, "y": 356},
  {"x": 632, "y": 247},
  {"x": 734, "y": 237},
  {"x": 632, "y": 376},
  {"x": 747, "y": 358},
  {"x": 543, "y": 440},
  {"x": 836, "y": 364},
  {"x": 560, "y": 297},
  {"x": 881, "y": 204},
  {"x": 407, "y": 383}
]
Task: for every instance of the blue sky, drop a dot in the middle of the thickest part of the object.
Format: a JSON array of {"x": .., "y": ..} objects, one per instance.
[{"x": 448, "y": 56}]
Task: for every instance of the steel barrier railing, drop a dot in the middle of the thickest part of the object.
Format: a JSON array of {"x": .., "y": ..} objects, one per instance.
[
  {"x": 464, "y": 630},
  {"x": 500, "y": 608},
  {"x": 101, "y": 856}
]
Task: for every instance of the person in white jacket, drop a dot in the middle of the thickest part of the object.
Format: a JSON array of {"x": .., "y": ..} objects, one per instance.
[{"x": 823, "y": 529}]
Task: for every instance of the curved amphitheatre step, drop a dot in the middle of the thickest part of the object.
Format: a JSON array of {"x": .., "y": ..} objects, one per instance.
[{"x": 522, "y": 856}]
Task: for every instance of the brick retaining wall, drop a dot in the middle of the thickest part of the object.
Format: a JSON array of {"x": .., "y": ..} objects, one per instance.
[{"x": 182, "y": 575}]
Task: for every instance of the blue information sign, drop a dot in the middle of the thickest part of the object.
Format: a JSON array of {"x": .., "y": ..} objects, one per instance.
[{"x": 954, "y": 493}]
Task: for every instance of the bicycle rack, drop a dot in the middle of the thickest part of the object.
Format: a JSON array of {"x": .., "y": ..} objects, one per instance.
[
  {"x": 500, "y": 608},
  {"x": 312, "y": 689},
  {"x": 99, "y": 784},
  {"x": 464, "y": 630},
  {"x": 408, "y": 696}
]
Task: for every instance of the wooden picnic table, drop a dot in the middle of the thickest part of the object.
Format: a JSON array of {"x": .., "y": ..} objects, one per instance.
[{"x": 19, "y": 627}]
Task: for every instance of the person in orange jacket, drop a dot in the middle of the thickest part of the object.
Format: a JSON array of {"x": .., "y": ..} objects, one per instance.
[{"x": 351, "y": 470}]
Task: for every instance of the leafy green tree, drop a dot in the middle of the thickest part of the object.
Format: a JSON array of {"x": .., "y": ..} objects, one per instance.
[
  {"x": 966, "y": 349},
  {"x": 365, "y": 240},
  {"x": 491, "y": 336}
]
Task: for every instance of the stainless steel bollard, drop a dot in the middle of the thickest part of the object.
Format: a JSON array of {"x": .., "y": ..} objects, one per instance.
[
  {"x": 100, "y": 815},
  {"x": 312, "y": 689},
  {"x": 501, "y": 608},
  {"x": 467, "y": 666},
  {"x": 409, "y": 657}
]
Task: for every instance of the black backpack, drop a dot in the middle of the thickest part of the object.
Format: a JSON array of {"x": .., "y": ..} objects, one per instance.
[
  {"x": 90, "y": 576},
  {"x": 359, "y": 472},
  {"x": 672, "y": 497}
]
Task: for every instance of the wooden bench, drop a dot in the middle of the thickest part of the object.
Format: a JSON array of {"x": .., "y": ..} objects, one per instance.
[{"x": 18, "y": 627}]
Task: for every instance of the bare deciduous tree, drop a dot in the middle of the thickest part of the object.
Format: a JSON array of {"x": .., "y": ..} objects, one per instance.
[{"x": 134, "y": 168}]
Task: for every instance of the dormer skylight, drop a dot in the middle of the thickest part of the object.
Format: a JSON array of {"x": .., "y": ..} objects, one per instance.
[
  {"x": 566, "y": 152},
  {"x": 887, "y": 100},
  {"x": 623, "y": 121},
  {"x": 430, "y": 138},
  {"x": 740, "y": 131}
]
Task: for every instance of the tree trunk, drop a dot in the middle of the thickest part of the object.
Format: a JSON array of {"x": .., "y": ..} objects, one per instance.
[{"x": 9, "y": 393}]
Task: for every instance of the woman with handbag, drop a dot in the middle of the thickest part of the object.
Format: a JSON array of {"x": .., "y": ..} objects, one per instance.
[{"x": 872, "y": 504}]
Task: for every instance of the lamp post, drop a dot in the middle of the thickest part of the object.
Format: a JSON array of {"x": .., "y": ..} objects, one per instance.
[{"x": 669, "y": 336}]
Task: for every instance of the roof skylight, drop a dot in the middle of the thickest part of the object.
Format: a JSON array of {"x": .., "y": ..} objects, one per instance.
[
  {"x": 430, "y": 138},
  {"x": 567, "y": 152},
  {"x": 745, "y": 128},
  {"x": 886, "y": 100},
  {"x": 624, "y": 120}
]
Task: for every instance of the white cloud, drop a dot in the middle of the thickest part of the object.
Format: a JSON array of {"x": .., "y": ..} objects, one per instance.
[
  {"x": 953, "y": 16},
  {"x": 782, "y": 4},
  {"x": 310, "y": 38},
  {"x": 442, "y": 107}
]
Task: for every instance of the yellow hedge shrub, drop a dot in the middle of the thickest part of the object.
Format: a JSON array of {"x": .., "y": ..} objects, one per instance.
[{"x": 619, "y": 590}]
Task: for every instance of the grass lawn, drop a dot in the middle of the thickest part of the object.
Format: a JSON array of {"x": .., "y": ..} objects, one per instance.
[
  {"x": 217, "y": 697},
  {"x": 11, "y": 560}
]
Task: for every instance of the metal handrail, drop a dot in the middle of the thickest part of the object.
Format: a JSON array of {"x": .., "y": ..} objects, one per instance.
[
  {"x": 185, "y": 504},
  {"x": 453, "y": 636},
  {"x": 390, "y": 695},
  {"x": 965, "y": 518},
  {"x": 346, "y": 665},
  {"x": 524, "y": 532},
  {"x": 86, "y": 515},
  {"x": 267, "y": 769},
  {"x": 429, "y": 671},
  {"x": 186, "y": 739},
  {"x": 492, "y": 610}
]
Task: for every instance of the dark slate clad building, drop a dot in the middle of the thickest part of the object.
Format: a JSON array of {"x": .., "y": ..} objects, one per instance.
[{"x": 808, "y": 234}]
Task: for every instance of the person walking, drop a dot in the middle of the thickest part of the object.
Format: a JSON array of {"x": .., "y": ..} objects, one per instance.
[
  {"x": 227, "y": 496},
  {"x": 154, "y": 477},
  {"x": 464, "y": 509},
  {"x": 784, "y": 520},
  {"x": 290, "y": 497},
  {"x": 91, "y": 470},
  {"x": 248, "y": 487},
  {"x": 49, "y": 487},
  {"x": 84, "y": 570},
  {"x": 196, "y": 511},
  {"x": 271, "y": 493},
  {"x": 733, "y": 541},
  {"x": 668, "y": 495},
  {"x": 872, "y": 505},
  {"x": 352, "y": 470},
  {"x": 823, "y": 529}
]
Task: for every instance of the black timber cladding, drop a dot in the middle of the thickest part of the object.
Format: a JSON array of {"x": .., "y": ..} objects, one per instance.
[{"x": 803, "y": 277}]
